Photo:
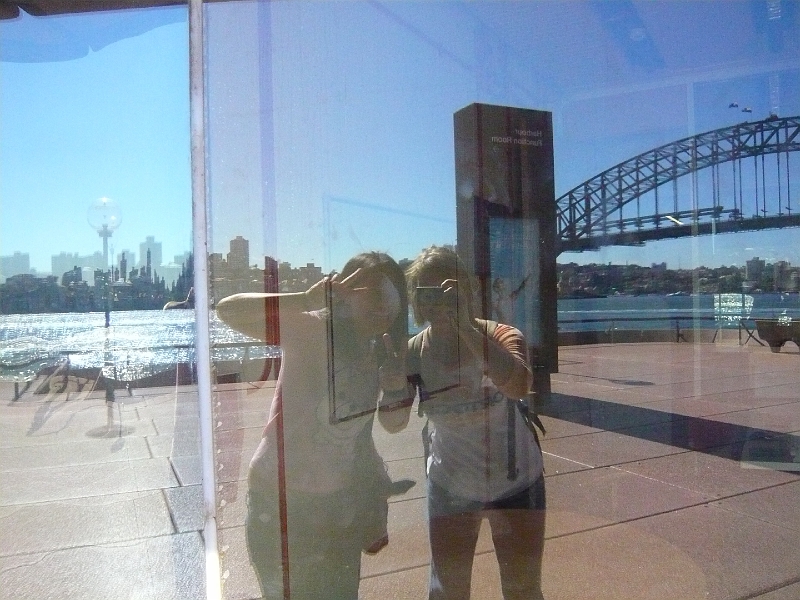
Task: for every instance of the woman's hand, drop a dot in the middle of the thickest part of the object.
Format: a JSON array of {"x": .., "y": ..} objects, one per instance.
[
  {"x": 329, "y": 289},
  {"x": 458, "y": 306},
  {"x": 392, "y": 373},
  {"x": 394, "y": 409}
]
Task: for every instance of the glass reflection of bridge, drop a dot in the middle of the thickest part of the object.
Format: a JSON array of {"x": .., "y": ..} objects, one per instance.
[{"x": 715, "y": 182}]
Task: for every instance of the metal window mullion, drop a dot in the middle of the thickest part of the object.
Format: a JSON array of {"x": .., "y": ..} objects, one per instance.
[
  {"x": 201, "y": 289},
  {"x": 755, "y": 175},
  {"x": 763, "y": 174},
  {"x": 788, "y": 187},
  {"x": 675, "y": 183}
]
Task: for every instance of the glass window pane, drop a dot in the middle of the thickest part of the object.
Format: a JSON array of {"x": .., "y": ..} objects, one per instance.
[
  {"x": 99, "y": 459},
  {"x": 615, "y": 184},
  {"x": 618, "y": 181}
]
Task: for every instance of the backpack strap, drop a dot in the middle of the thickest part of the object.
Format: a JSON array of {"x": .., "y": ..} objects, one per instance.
[
  {"x": 413, "y": 368},
  {"x": 532, "y": 420}
]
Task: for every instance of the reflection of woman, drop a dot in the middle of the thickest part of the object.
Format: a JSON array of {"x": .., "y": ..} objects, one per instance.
[
  {"x": 317, "y": 487},
  {"x": 483, "y": 461}
]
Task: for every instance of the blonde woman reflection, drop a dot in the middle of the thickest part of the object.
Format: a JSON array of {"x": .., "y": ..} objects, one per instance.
[
  {"x": 483, "y": 457},
  {"x": 317, "y": 487}
]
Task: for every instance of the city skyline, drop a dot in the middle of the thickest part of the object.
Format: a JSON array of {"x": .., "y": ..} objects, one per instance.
[
  {"x": 131, "y": 257},
  {"x": 147, "y": 288},
  {"x": 144, "y": 288},
  {"x": 239, "y": 250}
]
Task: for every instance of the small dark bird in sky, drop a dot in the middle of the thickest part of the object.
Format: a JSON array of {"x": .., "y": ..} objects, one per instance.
[
  {"x": 733, "y": 105},
  {"x": 747, "y": 109}
]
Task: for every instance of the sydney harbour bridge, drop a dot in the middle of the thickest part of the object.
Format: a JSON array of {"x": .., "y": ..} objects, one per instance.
[{"x": 737, "y": 178}]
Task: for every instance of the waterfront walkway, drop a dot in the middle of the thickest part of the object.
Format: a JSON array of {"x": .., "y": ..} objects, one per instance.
[{"x": 673, "y": 472}]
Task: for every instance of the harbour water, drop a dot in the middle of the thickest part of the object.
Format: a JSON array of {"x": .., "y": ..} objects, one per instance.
[
  {"x": 136, "y": 344},
  {"x": 142, "y": 343}
]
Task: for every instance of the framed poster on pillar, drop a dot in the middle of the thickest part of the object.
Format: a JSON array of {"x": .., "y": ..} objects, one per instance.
[{"x": 506, "y": 219}]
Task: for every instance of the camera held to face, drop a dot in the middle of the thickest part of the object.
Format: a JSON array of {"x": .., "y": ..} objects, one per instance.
[{"x": 435, "y": 296}]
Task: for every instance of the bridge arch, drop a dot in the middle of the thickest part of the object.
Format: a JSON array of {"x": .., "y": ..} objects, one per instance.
[{"x": 599, "y": 211}]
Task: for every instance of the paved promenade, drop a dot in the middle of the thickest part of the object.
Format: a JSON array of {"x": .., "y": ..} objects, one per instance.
[{"x": 673, "y": 472}]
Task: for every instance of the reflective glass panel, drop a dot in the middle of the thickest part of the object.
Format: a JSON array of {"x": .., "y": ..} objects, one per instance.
[
  {"x": 99, "y": 458},
  {"x": 595, "y": 205}
]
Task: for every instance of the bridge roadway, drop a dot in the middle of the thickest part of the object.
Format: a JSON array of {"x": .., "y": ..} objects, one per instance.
[
  {"x": 651, "y": 465},
  {"x": 637, "y": 237},
  {"x": 621, "y": 205}
]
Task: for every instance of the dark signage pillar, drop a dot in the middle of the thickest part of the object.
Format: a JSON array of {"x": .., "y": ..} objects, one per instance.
[{"x": 506, "y": 220}]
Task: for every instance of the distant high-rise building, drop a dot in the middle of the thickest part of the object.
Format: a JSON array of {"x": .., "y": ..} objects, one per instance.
[
  {"x": 794, "y": 281},
  {"x": 239, "y": 255},
  {"x": 754, "y": 268},
  {"x": 66, "y": 261},
  {"x": 216, "y": 263},
  {"x": 271, "y": 280},
  {"x": 16, "y": 264},
  {"x": 284, "y": 270},
  {"x": 310, "y": 274},
  {"x": 780, "y": 274},
  {"x": 171, "y": 271},
  {"x": 182, "y": 258},
  {"x": 154, "y": 247},
  {"x": 130, "y": 257}
]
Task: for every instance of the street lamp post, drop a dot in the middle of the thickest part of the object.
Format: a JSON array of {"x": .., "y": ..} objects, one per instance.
[{"x": 105, "y": 216}]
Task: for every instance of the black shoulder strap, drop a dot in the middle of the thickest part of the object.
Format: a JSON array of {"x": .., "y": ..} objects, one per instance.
[
  {"x": 414, "y": 353},
  {"x": 414, "y": 366},
  {"x": 532, "y": 420}
]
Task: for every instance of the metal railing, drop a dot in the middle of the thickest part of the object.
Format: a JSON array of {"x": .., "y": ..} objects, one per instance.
[{"x": 677, "y": 323}]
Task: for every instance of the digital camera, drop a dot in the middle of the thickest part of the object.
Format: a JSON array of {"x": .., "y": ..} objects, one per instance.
[{"x": 432, "y": 294}]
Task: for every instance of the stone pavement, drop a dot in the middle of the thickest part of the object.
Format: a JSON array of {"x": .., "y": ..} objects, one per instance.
[
  {"x": 673, "y": 471},
  {"x": 97, "y": 501},
  {"x": 653, "y": 485}
]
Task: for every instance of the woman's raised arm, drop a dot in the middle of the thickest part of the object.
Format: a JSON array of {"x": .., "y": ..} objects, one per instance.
[{"x": 256, "y": 315}]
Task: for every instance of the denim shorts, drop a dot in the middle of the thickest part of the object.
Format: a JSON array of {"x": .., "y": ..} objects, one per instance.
[{"x": 442, "y": 503}]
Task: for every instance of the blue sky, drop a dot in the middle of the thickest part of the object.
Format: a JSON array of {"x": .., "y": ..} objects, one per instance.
[
  {"x": 330, "y": 124},
  {"x": 113, "y": 123}
]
